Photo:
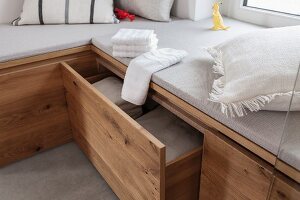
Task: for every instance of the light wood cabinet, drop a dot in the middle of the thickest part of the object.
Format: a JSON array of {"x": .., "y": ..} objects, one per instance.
[{"x": 34, "y": 116}]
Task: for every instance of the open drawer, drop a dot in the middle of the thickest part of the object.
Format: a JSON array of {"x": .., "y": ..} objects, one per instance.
[{"x": 131, "y": 159}]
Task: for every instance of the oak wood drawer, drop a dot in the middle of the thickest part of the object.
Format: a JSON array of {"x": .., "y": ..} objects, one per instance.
[{"x": 131, "y": 159}]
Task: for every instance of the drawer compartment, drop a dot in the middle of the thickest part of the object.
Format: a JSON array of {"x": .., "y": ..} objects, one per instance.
[{"x": 131, "y": 159}]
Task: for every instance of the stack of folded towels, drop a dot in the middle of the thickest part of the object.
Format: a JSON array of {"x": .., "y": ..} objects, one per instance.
[{"x": 131, "y": 43}]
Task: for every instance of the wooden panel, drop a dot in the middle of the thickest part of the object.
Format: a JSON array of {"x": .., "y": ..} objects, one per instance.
[
  {"x": 33, "y": 112},
  {"x": 34, "y": 139},
  {"x": 284, "y": 189},
  {"x": 195, "y": 117},
  {"x": 89, "y": 68},
  {"x": 100, "y": 164},
  {"x": 182, "y": 114},
  {"x": 183, "y": 176},
  {"x": 288, "y": 170},
  {"x": 85, "y": 66},
  {"x": 230, "y": 172},
  {"x": 133, "y": 158},
  {"x": 45, "y": 56},
  {"x": 55, "y": 60}
]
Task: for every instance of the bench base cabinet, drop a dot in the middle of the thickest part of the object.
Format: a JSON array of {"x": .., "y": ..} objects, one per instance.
[
  {"x": 132, "y": 161},
  {"x": 40, "y": 100}
]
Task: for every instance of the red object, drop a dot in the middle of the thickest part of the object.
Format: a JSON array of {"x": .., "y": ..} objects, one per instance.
[{"x": 123, "y": 14}]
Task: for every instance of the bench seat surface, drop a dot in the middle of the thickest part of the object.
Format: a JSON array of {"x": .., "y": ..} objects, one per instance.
[{"x": 191, "y": 80}]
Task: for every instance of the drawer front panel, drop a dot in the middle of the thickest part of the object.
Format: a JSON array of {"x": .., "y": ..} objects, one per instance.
[
  {"x": 230, "y": 172},
  {"x": 131, "y": 155}
]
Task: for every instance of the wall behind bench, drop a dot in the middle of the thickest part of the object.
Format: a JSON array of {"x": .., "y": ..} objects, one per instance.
[
  {"x": 192, "y": 9},
  {"x": 10, "y": 10}
]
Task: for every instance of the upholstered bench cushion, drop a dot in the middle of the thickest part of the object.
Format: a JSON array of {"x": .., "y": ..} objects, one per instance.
[
  {"x": 178, "y": 136},
  {"x": 25, "y": 41},
  {"x": 111, "y": 87}
]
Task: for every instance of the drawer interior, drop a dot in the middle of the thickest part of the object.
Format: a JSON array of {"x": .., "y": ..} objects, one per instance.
[{"x": 131, "y": 159}]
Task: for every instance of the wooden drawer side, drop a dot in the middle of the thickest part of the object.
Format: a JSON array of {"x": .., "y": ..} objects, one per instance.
[
  {"x": 183, "y": 176},
  {"x": 134, "y": 158}
]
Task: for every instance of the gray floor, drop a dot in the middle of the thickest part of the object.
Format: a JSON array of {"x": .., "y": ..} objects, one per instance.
[{"x": 61, "y": 173}]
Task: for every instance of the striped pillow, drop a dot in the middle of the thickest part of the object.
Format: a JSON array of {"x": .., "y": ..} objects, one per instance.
[{"x": 66, "y": 12}]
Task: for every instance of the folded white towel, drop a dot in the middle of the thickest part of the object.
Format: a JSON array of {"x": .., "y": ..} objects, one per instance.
[
  {"x": 140, "y": 70},
  {"x": 134, "y": 37},
  {"x": 127, "y": 54},
  {"x": 132, "y": 51},
  {"x": 141, "y": 48}
]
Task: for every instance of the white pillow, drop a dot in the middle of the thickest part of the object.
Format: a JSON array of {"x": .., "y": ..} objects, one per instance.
[
  {"x": 66, "y": 12},
  {"x": 258, "y": 71},
  {"x": 158, "y": 10}
]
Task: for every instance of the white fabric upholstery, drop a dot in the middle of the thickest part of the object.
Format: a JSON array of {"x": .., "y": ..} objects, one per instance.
[
  {"x": 127, "y": 36},
  {"x": 178, "y": 136},
  {"x": 131, "y": 43},
  {"x": 140, "y": 70},
  {"x": 65, "y": 12},
  {"x": 10, "y": 10},
  {"x": 255, "y": 69},
  {"x": 24, "y": 41}
]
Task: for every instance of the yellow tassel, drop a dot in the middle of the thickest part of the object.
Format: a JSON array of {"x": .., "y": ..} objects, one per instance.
[{"x": 218, "y": 19}]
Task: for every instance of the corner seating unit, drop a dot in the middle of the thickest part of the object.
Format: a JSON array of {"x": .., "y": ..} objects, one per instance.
[{"x": 40, "y": 106}]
